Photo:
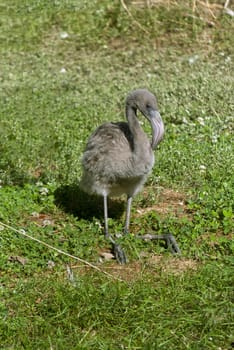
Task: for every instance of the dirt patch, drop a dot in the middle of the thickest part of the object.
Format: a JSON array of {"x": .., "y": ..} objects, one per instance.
[
  {"x": 155, "y": 264},
  {"x": 168, "y": 201},
  {"x": 172, "y": 265},
  {"x": 130, "y": 272},
  {"x": 42, "y": 220},
  {"x": 152, "y": 265}
]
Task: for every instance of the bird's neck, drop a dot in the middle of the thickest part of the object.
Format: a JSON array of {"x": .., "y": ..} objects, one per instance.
[
  {"x": 140, "y": 142},
  {"x": 133, "y": 121}
]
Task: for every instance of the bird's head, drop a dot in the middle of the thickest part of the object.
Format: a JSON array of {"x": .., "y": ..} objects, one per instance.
[{"x": 144, "y": 101}]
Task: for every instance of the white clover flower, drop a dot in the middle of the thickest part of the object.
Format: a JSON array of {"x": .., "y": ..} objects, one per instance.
[
  {"x": 185, "y": 121},
  {"x": 214, "y": 138},
  {"x": 47, "y": 222},
  {"x": 202, "y": 168},
  {"x": 98, "y": 224},
  {"x": 63, "y": 70},
  {"x": 193, "y": 59},
  {"x": 64, "y": 35},
  {"x": 50, "y": 264},
  {"x": 201, "y": 121},
  {"x": 44, "y": 191}
]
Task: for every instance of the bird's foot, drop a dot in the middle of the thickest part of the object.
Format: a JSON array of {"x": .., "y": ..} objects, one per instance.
[
  {"x": 117, "y": 250},
  {"x": 172, "y": 244},
  {"x": 119, "y": 254},
  {"x": 125, "y": 231},
  {"x": 168, "y": 238}
]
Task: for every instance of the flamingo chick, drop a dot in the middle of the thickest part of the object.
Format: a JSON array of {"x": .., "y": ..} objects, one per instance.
[{"x": 119, "y": 156}]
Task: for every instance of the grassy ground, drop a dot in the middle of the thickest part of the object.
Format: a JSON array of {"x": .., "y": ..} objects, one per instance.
[{"x": 66, "y": 67}]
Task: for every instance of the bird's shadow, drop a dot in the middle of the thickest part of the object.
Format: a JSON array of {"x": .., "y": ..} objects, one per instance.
[{"x": 73, "y": 200}]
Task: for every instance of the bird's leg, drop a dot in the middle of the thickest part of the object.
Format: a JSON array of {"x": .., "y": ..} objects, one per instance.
[
  {"x": 128, "y": 212},
  {"x": 106, "y": 231},
  {"x": 168, "y": 238},
  {"x": 117, "y": 250}
]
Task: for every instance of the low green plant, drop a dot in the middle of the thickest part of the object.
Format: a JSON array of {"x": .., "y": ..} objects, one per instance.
[{"x": 66, "y": 68}]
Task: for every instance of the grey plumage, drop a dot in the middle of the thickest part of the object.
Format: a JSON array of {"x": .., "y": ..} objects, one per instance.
[{"x": 119, "y": 156}]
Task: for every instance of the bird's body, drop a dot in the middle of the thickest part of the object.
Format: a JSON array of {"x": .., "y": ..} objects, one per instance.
[
  {"x": 119, "y": 156},
  {"x": 113, "y": 164}
]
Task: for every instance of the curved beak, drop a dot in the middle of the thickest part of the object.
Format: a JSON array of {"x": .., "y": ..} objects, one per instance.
[{"x": 157, "y": 128}]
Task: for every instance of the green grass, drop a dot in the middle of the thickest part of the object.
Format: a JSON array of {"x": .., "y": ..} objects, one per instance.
[
  {"x": 189, "y": 311},
  {"x": 54, "y": 91}
]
